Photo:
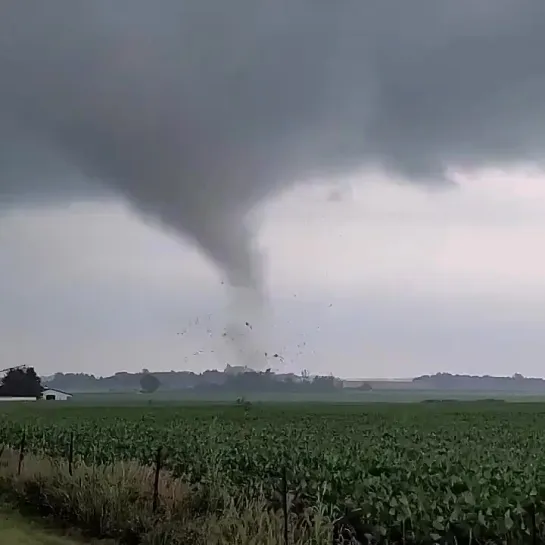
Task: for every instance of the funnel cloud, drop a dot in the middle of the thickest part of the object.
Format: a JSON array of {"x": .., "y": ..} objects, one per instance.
[{"x": 195, "y": 110}]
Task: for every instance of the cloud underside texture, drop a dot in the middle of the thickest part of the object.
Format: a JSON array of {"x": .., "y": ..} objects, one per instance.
[{"x": 195, "y": 110}]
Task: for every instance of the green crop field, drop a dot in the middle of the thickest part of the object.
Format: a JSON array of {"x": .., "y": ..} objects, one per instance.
[{"x": 466, "y": 468}]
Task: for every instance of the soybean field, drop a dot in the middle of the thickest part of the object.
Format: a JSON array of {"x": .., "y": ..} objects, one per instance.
[{"x": 475, "y": 469}]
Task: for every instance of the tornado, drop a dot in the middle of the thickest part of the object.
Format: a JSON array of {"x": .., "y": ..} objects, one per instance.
[{"x": 195, "y": 111}]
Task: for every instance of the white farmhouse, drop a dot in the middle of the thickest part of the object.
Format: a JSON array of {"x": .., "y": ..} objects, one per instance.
[{"x": 49, "y": 394}]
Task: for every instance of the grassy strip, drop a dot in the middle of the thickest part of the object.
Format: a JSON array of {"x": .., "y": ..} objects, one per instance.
[
  {"x": 16, "y": 530},
  {"x": 115, "y": 502}
]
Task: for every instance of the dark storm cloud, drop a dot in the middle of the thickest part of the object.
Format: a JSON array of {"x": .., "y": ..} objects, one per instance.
[{"x": 196, "y": 109}]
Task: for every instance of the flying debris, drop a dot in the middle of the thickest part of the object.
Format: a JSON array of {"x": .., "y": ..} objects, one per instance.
[{"x": 138, "y": 100}]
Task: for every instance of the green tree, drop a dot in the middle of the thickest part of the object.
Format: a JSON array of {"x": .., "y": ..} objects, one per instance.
[
  {"x": 21, "y": 382},
  {"x": 149, "y": 383}
]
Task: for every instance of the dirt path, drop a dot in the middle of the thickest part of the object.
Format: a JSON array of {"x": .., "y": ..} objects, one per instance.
[{"x": 16, "y": 530}]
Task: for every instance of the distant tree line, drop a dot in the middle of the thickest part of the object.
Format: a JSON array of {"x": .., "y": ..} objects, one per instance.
[
  {"x": 233, "y": 379},
  {"x": 240, "y": 380},
  {"x": 515, "y": 383}
]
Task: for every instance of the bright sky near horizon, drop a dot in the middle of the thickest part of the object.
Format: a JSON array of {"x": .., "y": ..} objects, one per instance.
[{"x": 389, "y": 281}]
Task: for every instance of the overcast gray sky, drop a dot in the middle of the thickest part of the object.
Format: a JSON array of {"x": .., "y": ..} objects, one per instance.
[
  {"x": 388, "y": 282},
  {"x": 188, "y": 114}
]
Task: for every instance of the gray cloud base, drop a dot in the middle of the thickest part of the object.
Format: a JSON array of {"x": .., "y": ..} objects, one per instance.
[{"x": 194, "y": 110}]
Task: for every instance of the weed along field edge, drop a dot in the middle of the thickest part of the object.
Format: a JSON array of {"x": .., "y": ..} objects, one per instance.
[
  {"x": 18, "y": 530},
  {"x": 464, "y": 472}
]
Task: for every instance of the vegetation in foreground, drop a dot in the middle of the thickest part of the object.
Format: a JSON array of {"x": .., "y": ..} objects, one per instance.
[
  {"x": 116, "y": 502},
  {"x": 455, "y": 473},
  {"x": 17, "y": 530}
]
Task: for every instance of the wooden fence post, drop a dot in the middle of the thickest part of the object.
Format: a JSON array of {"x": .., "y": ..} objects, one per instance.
[
  {"x": 71, "y": 454},
  {"x": 21, "y": 452},
  {"x": 285, "y": 505},
  {"x": 156, "y": 480}
]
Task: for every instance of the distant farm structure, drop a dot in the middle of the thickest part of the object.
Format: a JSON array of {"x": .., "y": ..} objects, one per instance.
[
  {"x": 48, "y": 395},
  {"x": 21, "y": 383}
]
